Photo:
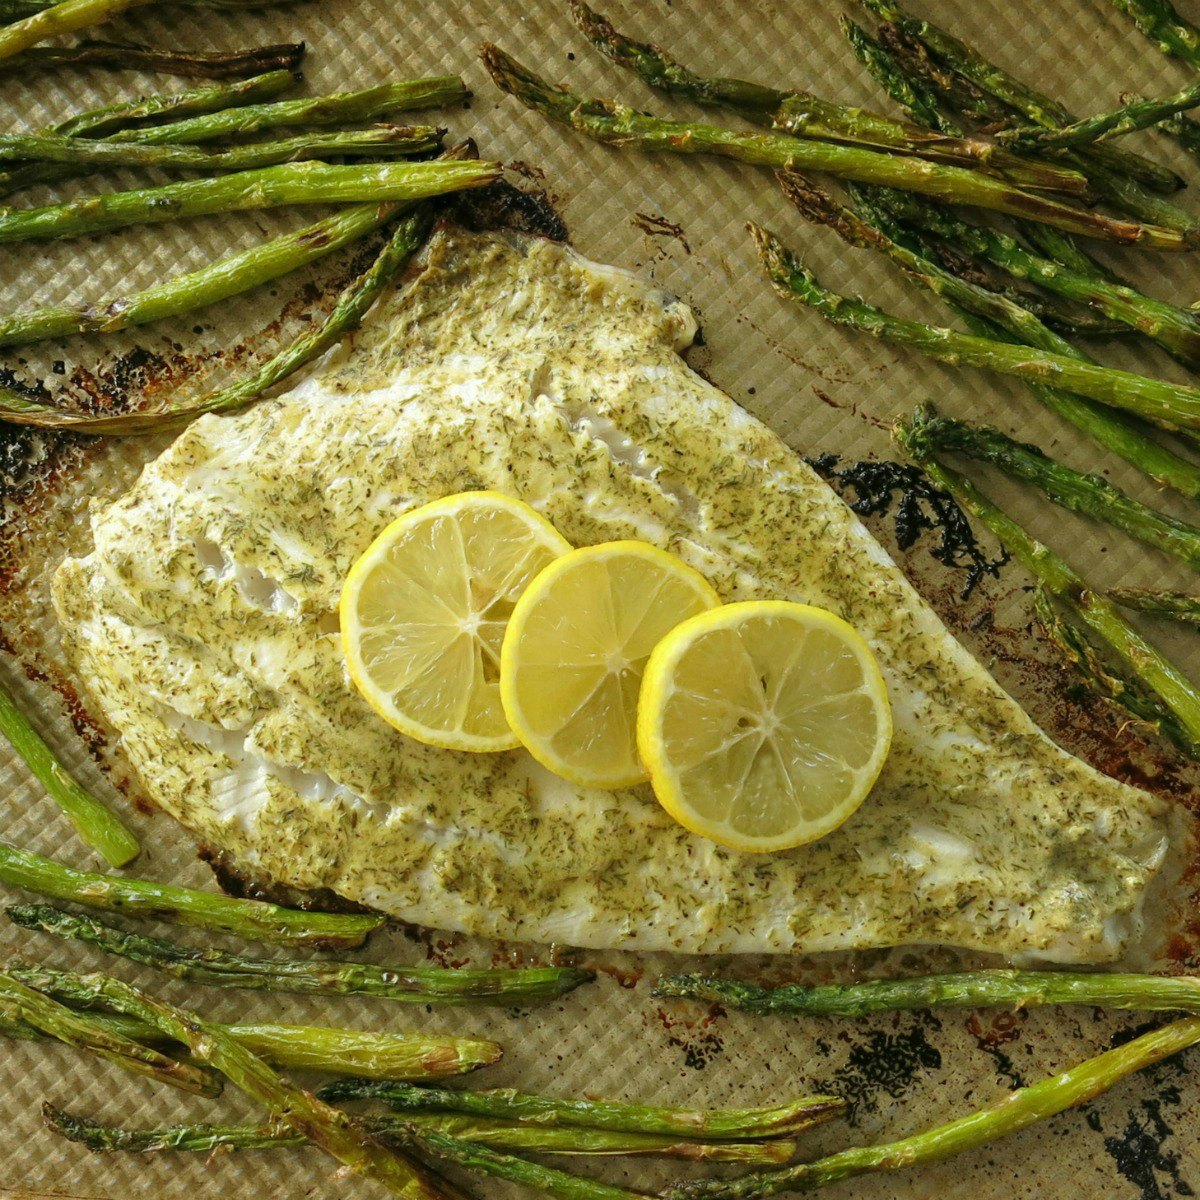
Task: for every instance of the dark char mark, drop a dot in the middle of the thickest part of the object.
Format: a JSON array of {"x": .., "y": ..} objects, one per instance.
[
  {"x": 881, "y": 487},
  {"x": 1139, "y": 1151},
  {"x": 886, "y": 1063}
]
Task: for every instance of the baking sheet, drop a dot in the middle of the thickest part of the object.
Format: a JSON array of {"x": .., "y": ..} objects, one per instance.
[{"x": 824, "y": 390}]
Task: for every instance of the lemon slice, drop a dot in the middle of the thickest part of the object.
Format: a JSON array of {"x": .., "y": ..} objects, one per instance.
[
  {"x": 576, "y": 645},
  {"x": 763, "y": 725},
  {"x": 423, "y": 614}
]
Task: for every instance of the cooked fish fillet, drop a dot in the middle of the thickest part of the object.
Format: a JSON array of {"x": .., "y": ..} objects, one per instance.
[{"x": 204, "y": 623}]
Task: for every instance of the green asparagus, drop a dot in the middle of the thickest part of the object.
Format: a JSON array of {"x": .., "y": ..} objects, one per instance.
[
  {"x": 909, "y": 88},
  {"x": 1179, "y": 606},
  {"x": 621, "y": 126},
  {"x": 338, "y": 108},
  {"x": 220, "y": 111},
  {"x": 504, "y": 1135},
  {"x": 910, "y": 92},
  {"x": 1014, "y": 1112},
  {"x": 1111, "y": 429},
  {"x": 219, "y": 968},
  {"x": 1185, "y": 131},
  {"x": 1089, "y": 609},
  {"x": 1170, "y": 405},
  {"x": 96, "y": 824},
  {"x": 251, "y": 919},
  {"x": 1011, "y": 92},
  {"x": 201, "y": 288},
  {"x": 339, "y": 1051},
  {"x": 1175, "y": 329},
  {"x": 1135, "y": 115},
  {"x": 332, "y": 1130},
  {"x": 15, "y": 10},
  {"x": 270, "y": 187},
  {"x": 75, "y": 1029},
  {"x": 481, "y": 1161},
  {"x": 60, "y": 18},
  {"x": 377, "y": 142},
  {"x": 1159, "y": 21},
  {"x": 1091, "y": 495},
  {"x": 716, "y": 1125},
  {"x": 124, "y": 56},
  {"x": 211, "y": 98},
  {"x": 808, "y": 116},
  {"x": 347, "y": 313},
  {"x": 966, "y": 989},
  {"x": 658, "y": 69}
]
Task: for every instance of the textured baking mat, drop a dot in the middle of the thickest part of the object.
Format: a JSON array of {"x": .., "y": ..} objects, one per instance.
[{"x": 823, "y": 390}]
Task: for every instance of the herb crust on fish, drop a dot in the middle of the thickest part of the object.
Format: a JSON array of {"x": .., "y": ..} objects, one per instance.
[{"x": 203, "y": 622}]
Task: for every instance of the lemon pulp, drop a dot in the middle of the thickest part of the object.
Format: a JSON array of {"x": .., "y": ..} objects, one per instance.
[
  {"x": 763, "y": 725},
  {"x": 574, "y": 652},
  {"x": 423, "y": 613}
]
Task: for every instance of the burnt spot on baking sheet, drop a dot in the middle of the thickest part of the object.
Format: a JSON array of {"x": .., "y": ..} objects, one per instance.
[
  {"x": 694, "y": 1038},
  {"x": 993, "y": 1031},
  {"x": 884, "y": 1064},
  {"x": 234, "y": 882},
  {"x": 878, "y": 487},
  {"x": 1137, "y": 1139},
  {"x": 657, "y": 226},
  {"x": 500, "y": 205}
]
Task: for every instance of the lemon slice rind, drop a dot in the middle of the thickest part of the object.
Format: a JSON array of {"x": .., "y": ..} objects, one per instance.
[
  {"x": 438, "y": 594},
  {"x": 731, "y": 727},
  {"x": 536, "y": 665}
]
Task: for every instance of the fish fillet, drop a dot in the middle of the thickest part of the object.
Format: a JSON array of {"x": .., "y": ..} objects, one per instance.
[{"x": 204, "y": 623}]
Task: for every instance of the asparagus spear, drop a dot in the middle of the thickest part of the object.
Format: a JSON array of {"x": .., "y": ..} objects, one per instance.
[
  {"x": 334, "y": 1131},
  {"x": 1092, "y": 611},
  {"x": 660, "y": 70},
  {"x": 910, "y": 92},
  {"x": 346, "y": 315},
  {"x": 203, "y": 287},
  {"x": 1014, "y": 1112},
  {"x": 63, "y": 17},
  {"x": 220, "y": 119},
  {"x": 802, "y": 113},
  {"x": 377, "y": 142},
  {"x": 806, "y": 115},
  {"x": 1183, "y": 130},
  {"x": 1171, "y": 405},
  {"x": 211, "y": 98},
  {"x": 1179, "y": 606},
  {"x": 290, "y": 183},
  {"x": 716, "y": 1125},
  {"x": 252, "y": 919},
  {"x": 218, "y": 968},
  {"x": 340, "y": 1051},
  {"x": 482, "y": 1161},
  {"x": 1110, "y": 428},
  {"x": 909, "y": 89},
  {"x": 1163, "y": 25},
  {"x": 64, "y": 1025},
  {"x": 621, "y": 126},
  {"x": 504, "y": 1135},
  {"x": 124, "y": 56},
  {"x": 96, "y": 824},
  {"x": 338, "y": 108},
  {"x": 1134, "y": 115},
  {"x": 1014, "y": 94},
  {"x": 1175, "y": 329},
  {"x": 965, "y": 989},
  {"x": 15, "y": 10},
  {"x": 1091, "y": 495}
]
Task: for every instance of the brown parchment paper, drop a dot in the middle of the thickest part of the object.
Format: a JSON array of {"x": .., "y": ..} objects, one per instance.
[{"x": 822, "y": 389}]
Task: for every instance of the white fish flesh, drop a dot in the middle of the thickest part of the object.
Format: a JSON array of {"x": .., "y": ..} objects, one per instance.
[{"x": 204, "y": 624}]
